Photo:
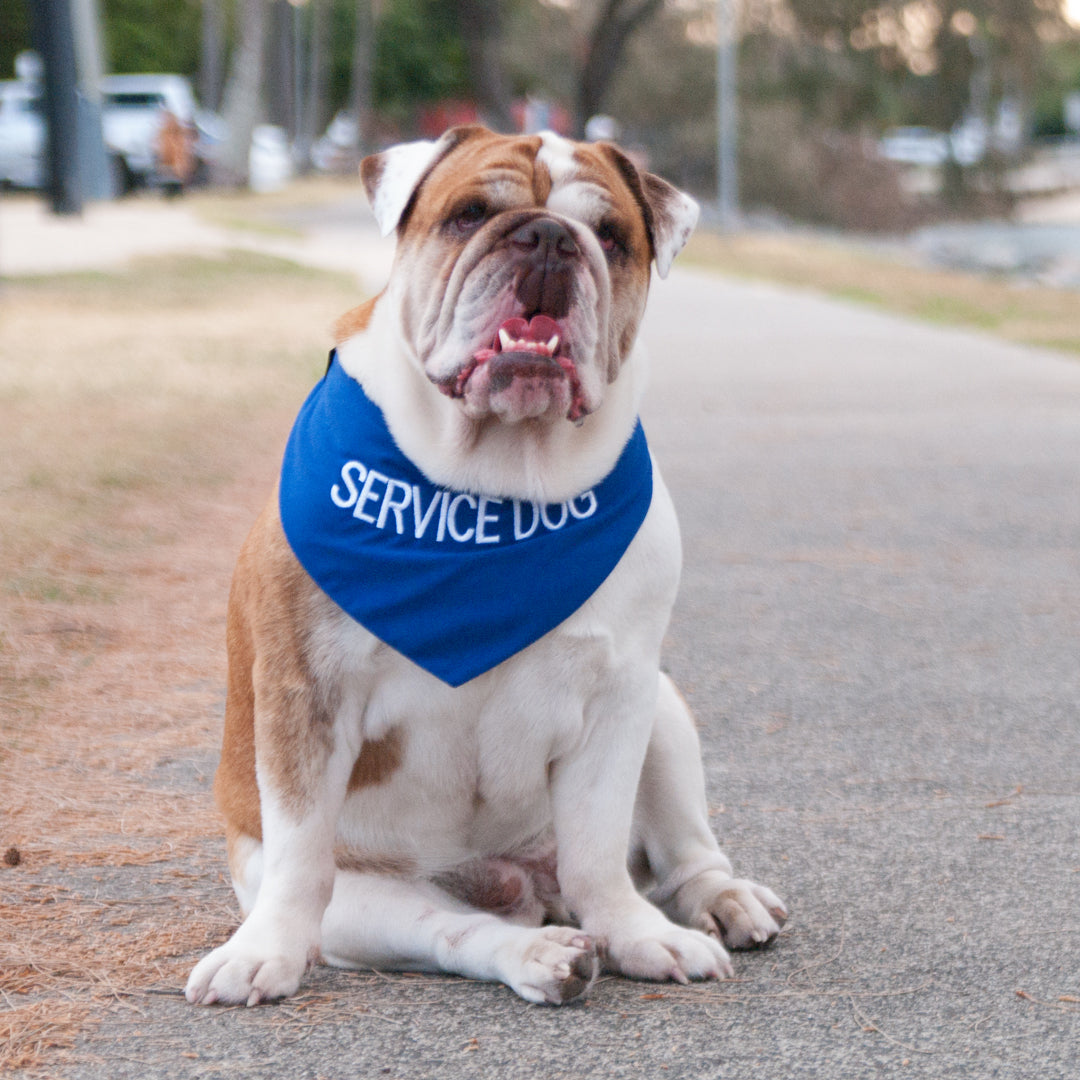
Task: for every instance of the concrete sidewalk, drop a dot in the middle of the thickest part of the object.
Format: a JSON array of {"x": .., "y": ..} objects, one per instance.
[
  {"x": 110, "y": 235},
  {"x": 879, "y": 629}
]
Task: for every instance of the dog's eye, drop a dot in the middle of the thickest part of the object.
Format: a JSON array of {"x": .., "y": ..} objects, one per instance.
[
  {"x": 612, "y": 238},
  {"x": 469, "y": 217}
]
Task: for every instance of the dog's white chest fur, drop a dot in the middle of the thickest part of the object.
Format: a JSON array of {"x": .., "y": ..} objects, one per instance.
[{"x": 473, "y": 777}]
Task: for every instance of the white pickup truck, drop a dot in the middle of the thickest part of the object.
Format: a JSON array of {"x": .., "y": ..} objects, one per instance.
[{"x": 134, "y": 108}]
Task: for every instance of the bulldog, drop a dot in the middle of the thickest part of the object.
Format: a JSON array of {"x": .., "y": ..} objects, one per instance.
[{"x": 448, "y": 743}]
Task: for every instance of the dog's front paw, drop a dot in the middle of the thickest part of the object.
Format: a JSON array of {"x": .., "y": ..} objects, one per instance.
[
  {"x": 741, "y": 913},
  {"x": 667, "y": 953},
  {"x": 236, "y": 974},
  {"x": 558, "y": 965}
]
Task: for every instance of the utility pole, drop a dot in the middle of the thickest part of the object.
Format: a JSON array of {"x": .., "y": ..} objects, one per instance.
[
  {"x": 65, "y": 34},
  {"x": 727, "y": 168},
  {"x": 54, "y": 38}
]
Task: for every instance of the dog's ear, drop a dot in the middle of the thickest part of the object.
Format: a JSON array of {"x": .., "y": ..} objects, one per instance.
[
  {"x": 392, "y": 177},
  {"x": 670, "y": 214},
  {"x": 674, "y": 215}
]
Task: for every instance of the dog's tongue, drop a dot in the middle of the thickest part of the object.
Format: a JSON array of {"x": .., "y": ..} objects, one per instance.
[{"x": 538, "y": 328}]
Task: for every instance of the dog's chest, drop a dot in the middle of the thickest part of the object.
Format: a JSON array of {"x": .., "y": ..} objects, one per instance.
[{"x": 471, "y": 768}]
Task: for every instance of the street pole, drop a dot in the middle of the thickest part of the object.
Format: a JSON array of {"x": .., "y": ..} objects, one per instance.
[
  {"x": 94, "y": 173},
  {"x": 727, "y": 169},
  {"x": 54, "y": 37}
]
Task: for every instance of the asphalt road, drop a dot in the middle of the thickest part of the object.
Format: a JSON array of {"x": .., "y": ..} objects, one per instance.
[{"x": 879, "y": 629}]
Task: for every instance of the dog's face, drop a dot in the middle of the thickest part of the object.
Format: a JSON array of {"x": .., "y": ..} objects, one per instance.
[{"x": 523, "y": 265}]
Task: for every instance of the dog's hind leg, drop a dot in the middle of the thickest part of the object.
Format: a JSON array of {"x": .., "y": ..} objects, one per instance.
[
  {"x": 675, "y": 847},
  {"x": 398, "y": 924}
]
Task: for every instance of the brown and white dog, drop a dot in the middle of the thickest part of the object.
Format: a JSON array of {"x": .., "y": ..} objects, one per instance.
[{"x": 546, "y": 816}]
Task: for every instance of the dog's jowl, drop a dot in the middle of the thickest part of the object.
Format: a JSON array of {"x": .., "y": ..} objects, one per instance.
[{"x": 448, "y": 744}]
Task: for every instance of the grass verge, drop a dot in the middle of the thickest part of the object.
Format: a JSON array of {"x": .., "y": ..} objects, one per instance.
[
  {"x": 142, "y": 415},
  {"x": 1025, "y": 313}
]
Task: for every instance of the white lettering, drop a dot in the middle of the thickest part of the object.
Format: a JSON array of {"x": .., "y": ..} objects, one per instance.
[
  {"x": 590, "y": 506},
  {"x": 367, "y": 495},
  {"x": 335, "y": 492},
  {"x": 519, "y": 532},
  {"x": 389, "y": 504},
  {"x": 444, "y": 503},
  {"x": 360, "y": 487},
  {"x": 483, "y": 518},
  {"x": 554, "y": 527},
  {"x": 421, "y": 519},
  {"x": 460, "y": 537}
]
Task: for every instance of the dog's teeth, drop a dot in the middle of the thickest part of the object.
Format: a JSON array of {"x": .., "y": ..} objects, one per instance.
[{"x": 509, "y": 343}]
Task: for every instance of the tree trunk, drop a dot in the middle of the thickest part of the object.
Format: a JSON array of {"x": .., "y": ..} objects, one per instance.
[
  {"x": 614, "y": 26},
  {"x": 243, "y": 94},
  {"x": 212, "y": 54},
  {"x": 279, "y": 83},
  {"x": 479, "y": 22},
  {"x": 314, "y": 114},
  {"x": 363, "y": 67}
]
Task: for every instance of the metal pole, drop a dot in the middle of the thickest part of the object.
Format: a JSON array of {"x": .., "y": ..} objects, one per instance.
[
  {"x": 94, "y": 172},
  {"x": 54, "y": 38},
  {"x": 727, "y": 171}
]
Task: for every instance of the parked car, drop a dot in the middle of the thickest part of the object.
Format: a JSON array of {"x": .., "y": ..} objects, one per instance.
[
  {"x": 915, "y": 146},
  {"x": 22, "y": 135},
  {"x": 966, "y": 144},
  {"x": 135, "y": 113},
  {"x": 154, "y": 133}
]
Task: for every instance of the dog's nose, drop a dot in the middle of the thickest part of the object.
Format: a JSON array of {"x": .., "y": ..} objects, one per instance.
[{"x": 547, "y": 236}]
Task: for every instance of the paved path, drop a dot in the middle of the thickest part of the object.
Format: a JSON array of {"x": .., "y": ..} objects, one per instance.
[
  {"x": 879, "y": 629},
  {"x": 112, "y": 234}
]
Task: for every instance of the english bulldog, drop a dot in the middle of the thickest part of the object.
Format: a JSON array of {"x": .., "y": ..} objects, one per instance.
[{"x": 448, "y": 743}]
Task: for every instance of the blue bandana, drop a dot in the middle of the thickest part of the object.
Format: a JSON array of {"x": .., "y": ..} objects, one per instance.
[{"x": 458, "y": 582}]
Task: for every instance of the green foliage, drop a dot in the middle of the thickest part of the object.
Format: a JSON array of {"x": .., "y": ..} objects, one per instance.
[
  {"x": 925, "y": 63},
  {"x": 14, "y": 34},
  {"x": 419, "y": 55},
  {"x": 151, "y": 35},
  {"x": 1061, "y": 75}
]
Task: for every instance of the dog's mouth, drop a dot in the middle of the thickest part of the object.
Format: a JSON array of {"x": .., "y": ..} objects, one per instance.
[{"x": 523, "y": 350}]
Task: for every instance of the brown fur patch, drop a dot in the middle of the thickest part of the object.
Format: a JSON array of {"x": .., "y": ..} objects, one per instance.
[
  {"x": 466, "y": 172},
  {"x": 274, "y": 709},
  {"x": 354, "y": 320},
  {"x": 541, "y": 182},
  {"x": 379, "y": 759},
  {"x": 366, "y": 862}
]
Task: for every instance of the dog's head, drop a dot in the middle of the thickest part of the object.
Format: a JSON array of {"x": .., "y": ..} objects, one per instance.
[{"x": 523, "y": 264}]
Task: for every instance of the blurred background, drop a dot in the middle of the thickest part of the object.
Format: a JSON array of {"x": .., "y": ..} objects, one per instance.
[{"x": 856, "y": 114}]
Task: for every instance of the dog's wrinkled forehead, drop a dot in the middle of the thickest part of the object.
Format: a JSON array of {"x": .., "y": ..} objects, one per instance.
[{"x": 580, "y": 181}]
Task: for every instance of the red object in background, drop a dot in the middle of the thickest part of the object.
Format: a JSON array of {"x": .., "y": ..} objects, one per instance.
[
  {"x": 529, "y": 115},
  {"x": 434, "y": 119}
]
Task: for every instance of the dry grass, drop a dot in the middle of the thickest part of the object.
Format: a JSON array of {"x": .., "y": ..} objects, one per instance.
[
  {"x": 263, "y": 212},
  {"x": 141, "y": 416},
  {"x": 1025, "y": 313}
]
